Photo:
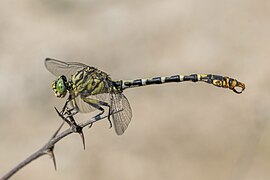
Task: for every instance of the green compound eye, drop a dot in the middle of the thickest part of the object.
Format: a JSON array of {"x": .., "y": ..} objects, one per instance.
[{"x": 59, "y": 87}]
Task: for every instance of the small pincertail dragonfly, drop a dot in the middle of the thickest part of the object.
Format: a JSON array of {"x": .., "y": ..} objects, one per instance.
[{"x": 91, "y": 89}]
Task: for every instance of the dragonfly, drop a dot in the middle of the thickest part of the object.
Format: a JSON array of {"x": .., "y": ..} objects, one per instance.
[{"x": 91, "y": 89}]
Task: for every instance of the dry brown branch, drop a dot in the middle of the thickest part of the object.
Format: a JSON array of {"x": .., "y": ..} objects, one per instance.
[{"x": 48, "y": 148}]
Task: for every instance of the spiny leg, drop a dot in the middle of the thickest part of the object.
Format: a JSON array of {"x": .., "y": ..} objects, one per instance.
[
  {"x": 69, "y": 99},
  {"x": 97, "y": 104},
  {"x": 68, "y": 111},
  {"x": 71, "y": 112}
]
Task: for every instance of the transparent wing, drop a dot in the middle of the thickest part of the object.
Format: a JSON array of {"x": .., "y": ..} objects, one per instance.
[
  {"x": 120, "y": 109},
  {"x": 59, "y": 68},
  {"x": 121, "y": 119},
  {"x": 85, "y": 107}
]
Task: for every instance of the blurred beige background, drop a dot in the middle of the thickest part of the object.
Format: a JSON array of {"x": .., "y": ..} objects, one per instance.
[{"x": 178, "y": 131}]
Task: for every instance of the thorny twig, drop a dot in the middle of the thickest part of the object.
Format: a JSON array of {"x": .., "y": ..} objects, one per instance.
[{"x": 48, "y": 148}]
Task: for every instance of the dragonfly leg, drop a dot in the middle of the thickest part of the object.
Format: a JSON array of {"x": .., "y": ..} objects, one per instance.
[
  {"x": 69, "y": 99},
  {"x": 68, "y": 112},
  {"x": 97, "y": 104},
  {"x": 71, "y": 112}
]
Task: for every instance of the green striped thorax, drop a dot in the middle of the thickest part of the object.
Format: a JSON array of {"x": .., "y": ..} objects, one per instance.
[
  {"x": 86, "y": 82},
  {"x": 60, "y": 86}
]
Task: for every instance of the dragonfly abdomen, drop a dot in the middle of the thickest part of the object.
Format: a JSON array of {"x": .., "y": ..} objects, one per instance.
[
  {"x": 216, "y": 80},
  {"x": 144, "y": 82}
]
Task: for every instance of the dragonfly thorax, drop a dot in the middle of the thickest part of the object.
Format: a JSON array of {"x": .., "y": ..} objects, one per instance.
[{"x": 60, "y": 86}]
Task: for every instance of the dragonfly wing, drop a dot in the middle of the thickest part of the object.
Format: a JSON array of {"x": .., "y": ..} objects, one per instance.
[
  {"x": 120, "y": 109},
  {"x": 121, "y": 112},
  {"x": 59, "y": 68},
  {"x": 85, "y": 107}
]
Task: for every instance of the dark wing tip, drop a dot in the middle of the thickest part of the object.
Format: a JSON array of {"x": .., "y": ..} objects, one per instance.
[
  {"x": 49, "y": 59},
  {"x": 46, "y": 61},
  {"x": 50, "y": 62}
]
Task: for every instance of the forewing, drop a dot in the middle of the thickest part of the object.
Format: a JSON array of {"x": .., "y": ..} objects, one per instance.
[
  {"x": 59, "y": 68},
  {"x": 121, "y": 112}
]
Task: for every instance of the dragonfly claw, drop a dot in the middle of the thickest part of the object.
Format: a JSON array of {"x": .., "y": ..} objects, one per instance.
[{"x": 110, "y": 123}]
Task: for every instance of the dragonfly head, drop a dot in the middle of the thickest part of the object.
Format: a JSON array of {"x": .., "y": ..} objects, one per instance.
[{"x": 60, "y": 86}]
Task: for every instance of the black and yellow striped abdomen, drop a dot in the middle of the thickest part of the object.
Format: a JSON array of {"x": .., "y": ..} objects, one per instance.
[{"x": 216, "y": 80}]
